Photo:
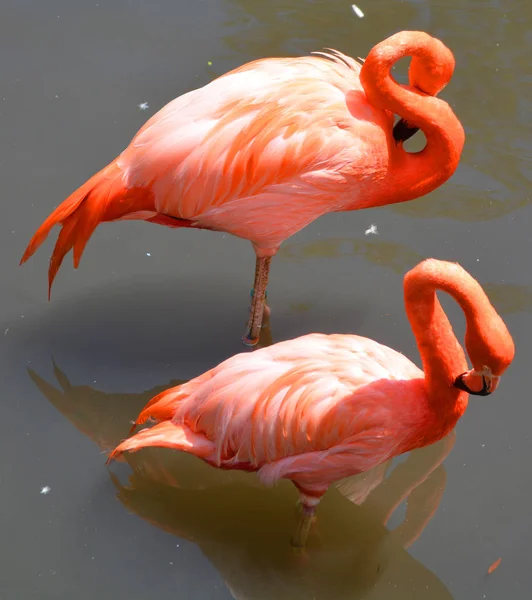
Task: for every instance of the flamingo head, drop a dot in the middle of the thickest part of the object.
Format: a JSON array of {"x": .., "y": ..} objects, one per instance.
[
  {"x": 477, "y": 383},
  {"x": 484, "y": 377}
]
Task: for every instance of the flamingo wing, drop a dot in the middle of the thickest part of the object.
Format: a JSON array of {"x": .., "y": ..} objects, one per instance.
[
  {"x": 274, "y": 134},
  {"x": 301, "y": 405}
]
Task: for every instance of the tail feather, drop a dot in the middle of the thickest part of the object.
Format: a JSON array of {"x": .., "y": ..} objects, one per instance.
[
  {"x": 159, "y": 408},
  {"x": 62, "y": 246},
  {"x": 103, "y": 197},
  {"x": 163, "y": 406},
  {"x": 166, "y": 435},
  {"x": 62, "y": 212}
]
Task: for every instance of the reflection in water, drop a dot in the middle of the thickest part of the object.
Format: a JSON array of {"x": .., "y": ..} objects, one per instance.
[
  {"x": 507, "y": 298},
  {"x": 396, "y": 257},
  {"x": 498, "y": 197},
  {"x": 265, "y": 336},
  {"x": 241, "y": 525},
  {"x": 104, "y": 418}
]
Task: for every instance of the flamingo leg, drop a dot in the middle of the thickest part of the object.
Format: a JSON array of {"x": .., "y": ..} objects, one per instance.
[
  {"x": 262, "y": 271},
  {"x": 306, "y": 518}
]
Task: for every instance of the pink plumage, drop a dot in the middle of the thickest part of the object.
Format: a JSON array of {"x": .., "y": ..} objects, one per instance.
[
  {"x": 266, "y": 149},
  {"x": 322, "y": 407}
]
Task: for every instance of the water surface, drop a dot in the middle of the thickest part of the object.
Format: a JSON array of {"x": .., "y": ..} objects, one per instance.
[{"x": 150, "y": 307}]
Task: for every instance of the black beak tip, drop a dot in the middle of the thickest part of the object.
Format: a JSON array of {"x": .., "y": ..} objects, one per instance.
[
  {"x": 460, "y": 384},
  {"x": 402, "y": 131}
]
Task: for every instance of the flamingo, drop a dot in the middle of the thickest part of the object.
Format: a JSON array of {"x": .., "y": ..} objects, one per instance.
[
  {"x": 266, "y": 149},
  {"x": 319, "y": 408}
]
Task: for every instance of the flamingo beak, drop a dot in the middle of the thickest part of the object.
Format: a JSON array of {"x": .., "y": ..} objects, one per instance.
[
  {"x": 403, "y": 131},
  {"x": 489, "y": 383}
]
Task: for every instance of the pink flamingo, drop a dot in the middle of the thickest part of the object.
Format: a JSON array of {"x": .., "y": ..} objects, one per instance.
[
  {"x": 266, "y": 149},
  {"x": 321, "y": 407}
]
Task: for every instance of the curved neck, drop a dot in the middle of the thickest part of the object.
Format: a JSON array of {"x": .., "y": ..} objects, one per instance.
[
  {"x": 442, "y": 355},
  {"x": 487, "y": 339},
  {"x": 418, "y": 173}
]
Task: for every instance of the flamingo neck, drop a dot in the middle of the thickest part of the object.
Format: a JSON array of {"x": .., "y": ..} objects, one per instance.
[
  {"x": 413, "y": 174},
  {"x": 442, "y": 355}
]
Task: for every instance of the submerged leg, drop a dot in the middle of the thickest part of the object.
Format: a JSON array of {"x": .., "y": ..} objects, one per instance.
[
  {"x": 308, "y": 501},
  {"x": 307, "y": 517},
  {"x": 262, "y": 270}
]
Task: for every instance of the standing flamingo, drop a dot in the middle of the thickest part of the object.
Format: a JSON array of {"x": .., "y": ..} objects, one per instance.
[
  {"x": 266, "y": 149},
  {"x": 322, "y": 407}
]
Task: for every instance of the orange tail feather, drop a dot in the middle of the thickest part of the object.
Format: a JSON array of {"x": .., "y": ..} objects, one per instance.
[
  {"x": 162, "y": 407},
  {"x": 166, "y": 435},
  {"x": 159, "y": 408},
  {"x": 102, "y": 198}
]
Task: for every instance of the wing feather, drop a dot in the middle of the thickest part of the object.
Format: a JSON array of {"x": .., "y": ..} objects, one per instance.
[
  {"x": 319, "y": 393},
  {"x": 265, "y": 130}
]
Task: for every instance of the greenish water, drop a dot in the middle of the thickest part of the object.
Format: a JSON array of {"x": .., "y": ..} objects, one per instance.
[{"x": 149, "y": 307}]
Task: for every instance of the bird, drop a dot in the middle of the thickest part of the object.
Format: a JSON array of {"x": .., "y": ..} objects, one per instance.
[
  {"x": 321, "y": 407},
  {"x": 267, "y": 148}
]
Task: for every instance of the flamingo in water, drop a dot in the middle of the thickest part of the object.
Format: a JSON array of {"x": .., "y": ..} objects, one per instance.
[
  {"x": 266, "y": 149},
  {"x": 319, "y": 408}
]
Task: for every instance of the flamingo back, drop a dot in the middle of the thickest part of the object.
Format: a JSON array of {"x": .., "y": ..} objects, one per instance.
[
  {"x": 228, "y": 155},
  {"x": 314, "y": 394}
]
